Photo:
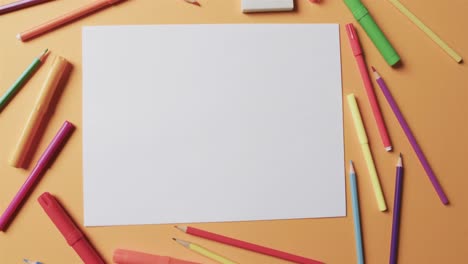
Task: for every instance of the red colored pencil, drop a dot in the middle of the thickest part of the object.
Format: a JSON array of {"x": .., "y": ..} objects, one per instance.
[
  {"x": 246, "y": 245},
  {"x": 358, "y": 54}
]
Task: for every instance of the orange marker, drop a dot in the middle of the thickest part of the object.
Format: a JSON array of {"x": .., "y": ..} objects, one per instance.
[
  {"x": 50, "y": 88},
  {"x": 65, "y": 19},
  {"x": 122, "y": 256}
]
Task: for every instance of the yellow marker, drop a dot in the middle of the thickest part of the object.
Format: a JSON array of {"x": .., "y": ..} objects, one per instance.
[
  {"x": 361, "y": 132},
  {"x": 40, "y": 109},
  {"x": 426, "y": 30},
  {"x": 203, "y": 251}
]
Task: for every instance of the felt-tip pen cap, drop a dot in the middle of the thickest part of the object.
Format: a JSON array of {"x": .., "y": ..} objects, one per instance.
[
  {"x": 353, "y": 39},
  {"x": 70, "y": 231},
  {"x": 123, "y": 256}
]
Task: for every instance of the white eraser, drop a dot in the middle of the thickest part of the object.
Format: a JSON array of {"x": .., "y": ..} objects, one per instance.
[{"x": 249, "y": 6}]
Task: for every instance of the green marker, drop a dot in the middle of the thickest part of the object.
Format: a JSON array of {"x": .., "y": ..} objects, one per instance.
[
  {"x": 22, "y": 80},
  {"x": 361, "y": 14}
]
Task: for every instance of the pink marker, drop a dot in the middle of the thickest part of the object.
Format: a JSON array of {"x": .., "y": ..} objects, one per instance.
[{"x": 42, "y": 165}]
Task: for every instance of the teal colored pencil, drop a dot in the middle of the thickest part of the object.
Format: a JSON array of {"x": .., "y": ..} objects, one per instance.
[
  {"x": 356, "y": 215},
  {"x": 8, "y": 95}
]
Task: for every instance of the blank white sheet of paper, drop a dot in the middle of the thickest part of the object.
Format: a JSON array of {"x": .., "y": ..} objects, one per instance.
[{"x": 212, "y": 123}]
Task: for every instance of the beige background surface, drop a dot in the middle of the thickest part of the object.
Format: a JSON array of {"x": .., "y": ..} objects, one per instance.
[{"x": 431, "y": 89}]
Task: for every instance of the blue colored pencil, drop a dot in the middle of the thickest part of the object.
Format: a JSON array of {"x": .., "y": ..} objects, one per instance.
[
  {"x": 356, "y": 215},
  {"x": 396, "y": 212},
  {"x": 31, "y": 262}
]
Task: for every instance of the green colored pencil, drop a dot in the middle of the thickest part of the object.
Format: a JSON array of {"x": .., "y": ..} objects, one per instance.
[{"x": 8, "y": 95}]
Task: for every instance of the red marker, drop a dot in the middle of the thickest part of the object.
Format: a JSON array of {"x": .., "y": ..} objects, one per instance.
[
  {"x": 73, "y": 235},
  {"x": 357, "y": 51}
]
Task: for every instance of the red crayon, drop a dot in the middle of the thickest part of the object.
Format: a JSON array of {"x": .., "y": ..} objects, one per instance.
[{"x": 73, "y": 235}]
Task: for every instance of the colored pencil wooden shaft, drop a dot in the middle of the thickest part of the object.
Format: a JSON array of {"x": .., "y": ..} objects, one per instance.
[
  {"x": 17, "y": 5},
  {"x": 396, "y": 214},
  {"x": 366, "y": 152},
  {"x": 366, "y": 79},
  {"x": 249, "y": 246},
  {"x": 65, "y": 19},
  {"x": 452, "y": 53},
  {"x": 356, "y": 217},
  {"x": 14, "y": 88},
  {"x": 42, "y": 165},
  {"x": 211, "y": 255},
  {"x": 41, "y": 107},
  {"x": 404, "y": 125}
]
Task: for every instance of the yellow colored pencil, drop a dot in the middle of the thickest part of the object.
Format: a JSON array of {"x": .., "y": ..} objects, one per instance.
[
  {"x": 203, "y": 251},
  {"x": 41, "y": 107},
  {"x": 362, "y": 136},
  {"x": 427, "y": 30}
]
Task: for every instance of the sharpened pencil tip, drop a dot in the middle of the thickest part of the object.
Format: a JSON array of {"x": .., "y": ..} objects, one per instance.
[
  {"x": 182, "y": 242},
  {"x": 193, "y": 2},
  {"x": 376, "y": 74},
  {"x": 351, "y": 167},
  {"x": 18, "y": 36},
  {"x": 400, "y": 161},
  {"x": 181, "y": 228},
  {"x": 43, "y": 55}
]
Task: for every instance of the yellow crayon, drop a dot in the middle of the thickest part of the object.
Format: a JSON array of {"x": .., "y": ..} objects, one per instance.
[
  {"x": 361, "y": 132},
  {"x": 41, "y": 107}
]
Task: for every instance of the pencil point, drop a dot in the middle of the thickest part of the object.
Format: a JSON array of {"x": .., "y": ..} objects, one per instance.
[
  {"x": 43, "y": 55},
  {"x": 181, "y": 228},
  {"x": 18, "y": 36},
  {"x": 182, "y": 242},
  {"x": 400, "y": 161},
  {"x": 389, "y": 148},
  {"x": 193, "y": 2},
  {"x": 376, "y": 74},
  {"x": 351, "y": 167}
]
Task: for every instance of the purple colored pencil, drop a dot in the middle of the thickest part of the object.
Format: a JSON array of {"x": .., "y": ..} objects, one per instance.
[
  {"x": 42, "y": 165},
  {"x": 411, "y": 138},
  {"x": 396, "y": 212},
  {"x": 20, "y": 4}
]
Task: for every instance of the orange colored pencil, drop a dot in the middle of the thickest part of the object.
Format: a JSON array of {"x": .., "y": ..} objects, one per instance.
[{"x": 65, "y": 19}]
